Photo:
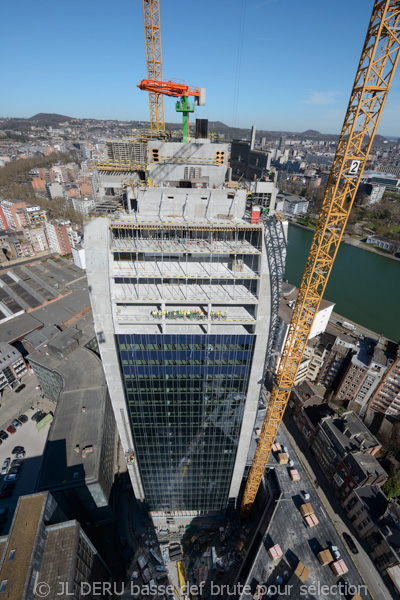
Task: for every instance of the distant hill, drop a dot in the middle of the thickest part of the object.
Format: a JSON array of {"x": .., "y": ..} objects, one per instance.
[
  {"x": 312, "y": 133},
  {"x": 50, "y": 118}
]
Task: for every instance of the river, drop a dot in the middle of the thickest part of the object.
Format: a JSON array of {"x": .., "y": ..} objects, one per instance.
[{"x": 364, "y": 286}]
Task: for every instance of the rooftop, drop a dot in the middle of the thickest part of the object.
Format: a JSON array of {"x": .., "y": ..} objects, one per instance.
[
  {"x": 72, "y": 453},
  {"x": 22, "y": 538},
  {"x": 350, "y": 432},
  {"x": 374, "y": 499},
  {"x": 8, "y": 355},
  {"x": 363, "y": 465},
  {"x": 288, "y": 301}
]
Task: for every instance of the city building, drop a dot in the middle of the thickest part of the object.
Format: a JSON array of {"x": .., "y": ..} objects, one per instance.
[
  {"x": 365, "y": 372},
  {"x": 37, "y": 237},
  {"x": 9, "y": 214},
  {"x": 35, "y": 216},
  {"x": 377, "y": 521},
  {"x": 345, "y": 449},
  {"x": 82, "y": 205},
  {"x": 311, "y": 362},
  {"x": 79, "y": 256},
  {"x": 248, "y": 163},
  {"x": 389, "y": 181},
  {"x": 79, "y": 460},
  {"x": 386, "y": 399},
  {"x": 337, "y": 358},
  {"x": 42, "y": 546},
  {"x": 12, "y": 366},
  {"x": 292, "y": 204},
  {"x": 181, "y": 298},
  {"x": 392, "y": 246},
  {"x": 58, "y": 236},
  {"x": 307, "y": 408}
]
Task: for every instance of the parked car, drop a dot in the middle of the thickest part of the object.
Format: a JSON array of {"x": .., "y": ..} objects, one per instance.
[
  {"x": 20, "y": 388},
  {"x": 40, "y": 416},
  {"x": 12, "y": 477},
  {"x": 3, "y": 434},
  {"x": 17, "y": 463},
  {"x": 335, "y": 552},
  {"x": 23, "y": 419},
  {"x": 4, "y": 468},
  {"x": 33, "y": 417},
  {"x": 8, "y": 486},
  {"x": 18, "y": 449},
  {"x": 16, "y": 424},
  {"x": 6, "y": 494},
  {"x": 350, "y": 542},
  {"x": 11, "y": 429},
  {"x": 14, "y": 471}
]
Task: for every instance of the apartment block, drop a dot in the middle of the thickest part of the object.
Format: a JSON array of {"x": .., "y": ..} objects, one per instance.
[
  {"x": 10, "y": 211},
  {"x": 37, "y": 237},
  {"x": 377, "y": 521},
  {"x": 386, "y": 399},
  {"x": 58, "y": 237},
  {"x": 307, "y": 409},
  {"x": 345, "y": 449},
  {"x": 12, "y": 366},
  {"x": 364, "y": 373}
]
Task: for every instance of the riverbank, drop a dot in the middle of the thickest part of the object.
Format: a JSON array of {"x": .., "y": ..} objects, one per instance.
[
  {"x": 347, "y": 239},
  {"x": 363, "y": 285}
]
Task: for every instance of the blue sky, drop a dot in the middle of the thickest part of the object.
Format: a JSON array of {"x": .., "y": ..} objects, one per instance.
[{"x": 84, "y": 59}]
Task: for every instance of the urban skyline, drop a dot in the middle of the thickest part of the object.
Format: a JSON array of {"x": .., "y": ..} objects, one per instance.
[{"x": 265, "y": 58}]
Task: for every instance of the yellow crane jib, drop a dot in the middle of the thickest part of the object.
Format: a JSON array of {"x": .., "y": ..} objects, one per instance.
[{"x": 374, "y": 76}]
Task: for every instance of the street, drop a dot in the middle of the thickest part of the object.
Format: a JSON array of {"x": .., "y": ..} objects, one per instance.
[{"x": 336, "y": 512}]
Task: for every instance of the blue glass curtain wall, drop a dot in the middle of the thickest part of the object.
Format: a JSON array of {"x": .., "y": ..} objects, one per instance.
[{"x": 186, "y": 396}]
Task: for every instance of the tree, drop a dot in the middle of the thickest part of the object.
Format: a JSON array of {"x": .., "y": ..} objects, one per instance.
[{"x": 392, "y": 486}]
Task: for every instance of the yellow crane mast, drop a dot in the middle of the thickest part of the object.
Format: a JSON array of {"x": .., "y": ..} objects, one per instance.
[
  {"x": 152, "y": 33},
  {"x": 375, "y": 72}
]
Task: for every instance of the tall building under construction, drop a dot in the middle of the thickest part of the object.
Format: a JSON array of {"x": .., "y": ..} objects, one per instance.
[{"x": 184, "y": 287}]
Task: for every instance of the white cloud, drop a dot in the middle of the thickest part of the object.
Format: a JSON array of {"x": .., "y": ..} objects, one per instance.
[{"x": 322, "y": 98}]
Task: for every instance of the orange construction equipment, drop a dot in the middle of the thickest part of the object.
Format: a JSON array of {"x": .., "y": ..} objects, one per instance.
[
  {"x": 169, "y": 88},
  {"x": 374, "y": 76}
]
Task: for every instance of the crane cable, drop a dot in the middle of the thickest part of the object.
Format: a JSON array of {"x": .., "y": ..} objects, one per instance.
[{"x": 238, "y": 61}]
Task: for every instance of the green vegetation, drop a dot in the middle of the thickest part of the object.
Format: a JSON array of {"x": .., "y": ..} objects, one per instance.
[
  {"x": 15, "y": 183},
  {"x": 307, "y": 221},
  {"x": 392, "y": 486}
]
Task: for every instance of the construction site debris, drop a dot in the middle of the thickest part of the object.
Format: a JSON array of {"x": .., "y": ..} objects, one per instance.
[
  {"x": 306, "y": 510},
  {"x": 339, "y": 567},
  {"x": 302, "y": 572},
  {"x": 325, "y": 557},
  {"x": 283, "y": 458},
  {"x": 275, "y": 552}
]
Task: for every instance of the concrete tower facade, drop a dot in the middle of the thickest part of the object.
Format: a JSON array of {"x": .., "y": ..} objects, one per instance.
[{"x": 182, "y": 295}]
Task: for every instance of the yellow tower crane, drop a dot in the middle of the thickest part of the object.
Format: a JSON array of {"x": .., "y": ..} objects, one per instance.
[
  {"x": 152, "y": 33},
  {"x": 375, "y": 72}
]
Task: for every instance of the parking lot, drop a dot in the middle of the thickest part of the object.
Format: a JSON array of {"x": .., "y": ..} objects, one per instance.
[{"x": 33, "y": 441}]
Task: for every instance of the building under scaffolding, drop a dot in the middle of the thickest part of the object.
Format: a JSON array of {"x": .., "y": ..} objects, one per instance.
[{"x": 183, "y": 294}]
